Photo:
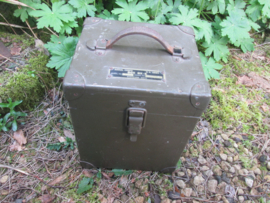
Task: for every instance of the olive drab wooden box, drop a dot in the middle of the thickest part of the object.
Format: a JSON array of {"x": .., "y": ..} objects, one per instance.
[{"x": 135, "y": 91}]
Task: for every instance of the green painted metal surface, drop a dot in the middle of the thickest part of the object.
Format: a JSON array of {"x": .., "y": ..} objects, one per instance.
[{"x": 134, "y": 104}]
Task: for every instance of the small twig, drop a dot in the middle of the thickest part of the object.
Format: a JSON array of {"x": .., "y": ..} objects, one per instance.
[
  {"x": 8, "y": 23},
  {"x": 259, "y": 45},
  {"x": 25, "y": 33},
  {"x": 15, "y": 169},
  {"x": 9, "y": 59},
  {"x": 16, "y": 26},
  {"x": 31, "y": 29}
]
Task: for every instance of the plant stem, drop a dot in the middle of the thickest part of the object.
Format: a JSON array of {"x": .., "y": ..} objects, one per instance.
[{"x": 157, "y": 9}]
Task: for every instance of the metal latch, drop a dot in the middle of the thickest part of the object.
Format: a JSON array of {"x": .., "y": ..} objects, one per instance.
[{"x": 136, "y": 118}]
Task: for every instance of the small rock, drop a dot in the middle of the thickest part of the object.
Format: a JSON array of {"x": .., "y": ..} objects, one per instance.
[
  {"x": 180, "y": 183},
  {"x": 117, "y": 201},
  {"x": 241, "y": 199},
  {"x": 212, "y": 185},
  {"x": 189, "y": 172},
  {"x": 268, "y": 165},
  {"x": 221, "y": 188},
  {"x": 217, "y": 170},
  {"x": 208, "y": 173},
  {"x": 180, "y": 174},
  {"x": 253, "y": 191},
  {"x": 240, "y": 191},
  {"x": 227, "y": 143},
  {"x": 263, "y": 158},
  {"x": 4, "y": 179},
  {"x": 223, "y": 157},
  {"x": 224, "y": 136},
  {"x": 232, "y": 170},
  {"x": 174, "y": 195},
  {"x": 237, "y": 166},
  {"x": 235, "y": 145},
  {"x": 200, "y": 188},
  {"x": 225, "y": 178},
  {"x": 230, "y": 159},
  {"x": 22, "y": 160},
  {"x": 225, "y": 166},
  {"x": 202, "y": 160},
  {"x": 4, "y": 192},
  {"x": 198, "y": 180},
  {"x": 194, "y": 201},
  {"x": 236, "y": 158},
  {"x": 124, "y": 198},
  {"x": 143, "y": 188},
  {"x": 103, "y": 200},
  {"x": 166, "y": 201},
  {"x": 176, "y": 201},
  {"x": 134, "y": 191},
  {"x": 243, "y": 172},
  {"x": 138, "y": 183},
  {"x": 249, "y": 182},
  {"x": 268, "y": 150},
  {"x": 246, "y": 151},
  {"x": 204, "y": 168},
  {"x": 123, "y": 181},
  {"x": 225, "y": 200},
  {"x": 187, "y": 191},
  {"x": 218, "y": 178},
  {"x": 218, "y": 159},
  {"x": 139, "y": 199}
]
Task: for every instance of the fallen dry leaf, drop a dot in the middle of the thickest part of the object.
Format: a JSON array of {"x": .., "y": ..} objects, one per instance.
[
  {"x": 46, "y": 198},
  {"x": 4, "y": 179},
  {"x": 244, "y": 80},
  {"x": 259, "y": 81},
  {"x": 58, "y": 179},
  {"x": 19, "y": 137},
  {"x": 15, "y": 50},
  {"x": 69, "y": 134},
  {"x": 87, "y": 173},
  {"x": 265, "y": 107},
  {"x": 16, "y": 147},
  {"x": 4, "y": 192},
  {"x": 61, "y": 139}
]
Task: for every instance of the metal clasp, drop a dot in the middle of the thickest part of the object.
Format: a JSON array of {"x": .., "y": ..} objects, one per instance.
[{"x": 136, "y": 118}]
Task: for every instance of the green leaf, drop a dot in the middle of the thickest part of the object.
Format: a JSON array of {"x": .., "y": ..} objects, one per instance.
[
  {"x": 67, "y": 27},
  {"x": 245, "y": 44},
  {"x": 162, "y": 12},
  {"x": 255, "y": 26},
  {"x": 131, "y": 11},
  {"x": 4, "y": 105},
  {"x": 235, "y": 27},
  {"x": 174, "y": 5},
  {"x": 24, "y": 11},
  {"x": 266, "y": 7},
  {"x": 14, "y": 125},
  {"x": 189, "y": 17},
  {"x": 120, "y": 172},
  {"x": 210, "y": 67},
  {"x": 99, "y": 6},
  {"x": 254, "y": 10},
  {"x": 83, "y": 7},
  {"x": 62, "y": 54},
  {"x": 107, "y": 15},
  {"x": 85, "y": 185},
  {"x": 218, "y": 47},
  {"x": 54, "y": 17},
  {"x": 54, "y": 146},
  {"x": 216, "y": 24},
  {"x": 12, "y": 105},
  {"x": 217, "y": 6},
  {"x": 99, "y": 174},
  {"x": 236, "y": 6}
]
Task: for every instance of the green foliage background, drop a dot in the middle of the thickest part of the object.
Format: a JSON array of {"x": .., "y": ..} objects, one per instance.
[{"x": 218, "y": 24}]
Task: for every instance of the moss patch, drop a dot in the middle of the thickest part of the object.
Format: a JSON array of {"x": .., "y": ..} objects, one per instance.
[
  {"x": 234, "y": 105},
  {"x": 23, "y": 40}
]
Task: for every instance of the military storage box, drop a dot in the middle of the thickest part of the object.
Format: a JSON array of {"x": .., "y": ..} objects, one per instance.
[{"x": 135, "y": 91}]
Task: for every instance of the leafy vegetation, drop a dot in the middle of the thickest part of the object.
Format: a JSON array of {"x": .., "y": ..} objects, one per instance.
[
  {"x": 11, "y": 118},
  {"x": 217, "y": 24},
  {"x": 69, "y": 143}
]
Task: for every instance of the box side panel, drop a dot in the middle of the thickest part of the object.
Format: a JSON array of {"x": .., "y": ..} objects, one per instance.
[{"x": 99, "y": 124}]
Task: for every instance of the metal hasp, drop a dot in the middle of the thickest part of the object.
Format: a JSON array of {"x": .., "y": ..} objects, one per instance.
[{"x": 136, "y": 118}]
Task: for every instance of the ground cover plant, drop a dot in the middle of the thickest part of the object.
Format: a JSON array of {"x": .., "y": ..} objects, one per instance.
[{"x": 227, "y": 156}]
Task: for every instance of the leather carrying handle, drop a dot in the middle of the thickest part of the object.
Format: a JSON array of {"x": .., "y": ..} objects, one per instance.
[{"x": 141, "y": 30}]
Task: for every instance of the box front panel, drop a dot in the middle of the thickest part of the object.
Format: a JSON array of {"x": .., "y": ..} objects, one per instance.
[{"x": 100, "y": 126}]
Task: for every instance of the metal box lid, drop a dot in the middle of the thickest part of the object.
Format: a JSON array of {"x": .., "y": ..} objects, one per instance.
[{"x": 138, "y": 59}]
